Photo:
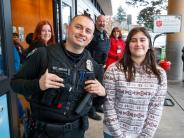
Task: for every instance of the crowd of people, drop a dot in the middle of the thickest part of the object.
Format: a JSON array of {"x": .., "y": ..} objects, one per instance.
[{"x": 91, "y": 72}]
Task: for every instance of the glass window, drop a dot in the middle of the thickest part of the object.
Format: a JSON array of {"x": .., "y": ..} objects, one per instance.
[
  {"x": 66, "y": 17},
  {"x": 63, "y": 17}
]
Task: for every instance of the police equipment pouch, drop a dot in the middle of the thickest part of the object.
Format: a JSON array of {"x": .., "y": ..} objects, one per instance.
[
  {"x": 51, "y": 97},
  {"x": 80, "y": 108}
]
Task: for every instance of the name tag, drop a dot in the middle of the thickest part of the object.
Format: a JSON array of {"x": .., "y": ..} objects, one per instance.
[{"x": 118, "y": 50}]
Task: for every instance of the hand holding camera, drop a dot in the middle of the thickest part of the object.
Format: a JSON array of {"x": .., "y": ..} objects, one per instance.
[{"x": 49, "y": 80}]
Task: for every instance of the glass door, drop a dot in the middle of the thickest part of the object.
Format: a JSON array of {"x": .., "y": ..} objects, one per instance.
[
  {"x": 62, "y": 14},
  {"x": 8, "y": 102},
  {"x": 66, "y": 18}
]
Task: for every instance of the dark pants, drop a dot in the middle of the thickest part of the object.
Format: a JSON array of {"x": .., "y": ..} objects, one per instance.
[
  {"x": 39, "y": 129},
  {"x": 98, "y": 101},
  {"x": 75, "y": 133}
]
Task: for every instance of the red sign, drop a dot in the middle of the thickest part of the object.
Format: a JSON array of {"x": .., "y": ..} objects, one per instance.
[{"x": 159, "y": 23}]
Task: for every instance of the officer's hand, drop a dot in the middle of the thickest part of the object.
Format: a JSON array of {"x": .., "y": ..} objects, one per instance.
[
  {"x": 49, "y": 80},
  {"x": 94, "y": 86}
]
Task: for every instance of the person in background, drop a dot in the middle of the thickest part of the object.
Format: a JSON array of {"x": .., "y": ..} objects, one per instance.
[
  {"x": 117, "y": 46},
  {"x": 136, "y": 88},
  {"x": 29, "y": 39},
  {"x": 17, "y": 59},
  {"x": 57, "y": 79},
  {"x": 19, "y": 47},
  {"x": 42, "y": 36},
  {"x": 100, "y": 44},
  {"x": 99, "y": 48}
]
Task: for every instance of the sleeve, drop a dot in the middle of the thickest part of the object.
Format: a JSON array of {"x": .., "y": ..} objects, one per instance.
[
  {"x": 155, "y": 109},
  {"x": 16, "y": 59},
  {"x": 26, "y": 81},
  {"x": 111, "y": 53},
  {"x": 110, "y": 115}
]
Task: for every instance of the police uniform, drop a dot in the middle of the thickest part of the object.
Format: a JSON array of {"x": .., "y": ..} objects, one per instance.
[{"x": 54, "y": 110}]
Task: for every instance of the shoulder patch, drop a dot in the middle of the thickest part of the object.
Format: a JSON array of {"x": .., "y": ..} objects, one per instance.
[{"x": 31, "y": 53}]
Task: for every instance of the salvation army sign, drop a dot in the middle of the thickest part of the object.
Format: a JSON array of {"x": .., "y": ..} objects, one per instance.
[{"x": 167, "y": 24}]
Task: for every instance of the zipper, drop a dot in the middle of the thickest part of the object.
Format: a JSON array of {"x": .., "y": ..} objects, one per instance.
[{"x": 74, "y": 81}]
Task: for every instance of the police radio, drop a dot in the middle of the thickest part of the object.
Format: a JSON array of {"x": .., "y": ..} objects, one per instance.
[
  {"x": 50, "y": 97},
  {"x": 83, "y": 103}
]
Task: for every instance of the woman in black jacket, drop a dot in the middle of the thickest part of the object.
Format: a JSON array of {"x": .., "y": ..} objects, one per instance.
[{"x": 42, "y": 36}]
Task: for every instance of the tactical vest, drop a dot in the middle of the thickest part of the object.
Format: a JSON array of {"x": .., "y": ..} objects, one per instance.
[{"x": 64, "y": 101}]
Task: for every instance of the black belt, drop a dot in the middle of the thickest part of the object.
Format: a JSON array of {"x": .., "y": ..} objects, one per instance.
[{"x": 57, "y": 128}]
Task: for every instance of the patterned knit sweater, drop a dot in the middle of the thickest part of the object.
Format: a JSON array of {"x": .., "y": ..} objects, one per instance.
[{"x": 133, "y": 109}]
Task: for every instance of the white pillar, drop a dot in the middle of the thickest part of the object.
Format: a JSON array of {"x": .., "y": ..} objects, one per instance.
[{"x": 175, "y": 42}]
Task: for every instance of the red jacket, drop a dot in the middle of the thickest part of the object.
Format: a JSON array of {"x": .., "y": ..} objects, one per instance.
[{"x": 117, "y": 47}]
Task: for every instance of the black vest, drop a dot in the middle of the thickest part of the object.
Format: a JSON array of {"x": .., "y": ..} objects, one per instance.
[{"x": 59, "y": 104}]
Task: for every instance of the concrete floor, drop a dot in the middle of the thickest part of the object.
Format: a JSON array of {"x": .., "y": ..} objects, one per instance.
[{"x": 172, "y": 121}]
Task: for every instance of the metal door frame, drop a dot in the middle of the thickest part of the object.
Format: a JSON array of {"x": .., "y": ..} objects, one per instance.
[{"x": 7, "y": 51}]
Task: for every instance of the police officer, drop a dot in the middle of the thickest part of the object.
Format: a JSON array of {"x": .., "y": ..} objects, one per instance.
[{"x": 56, "y": 79}]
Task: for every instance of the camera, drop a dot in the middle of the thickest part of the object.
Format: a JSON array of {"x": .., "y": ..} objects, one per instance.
[{"x": 51, "y": 97}]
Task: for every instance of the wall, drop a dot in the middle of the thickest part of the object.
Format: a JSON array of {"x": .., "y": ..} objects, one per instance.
[{"x": 27, "y": 13}]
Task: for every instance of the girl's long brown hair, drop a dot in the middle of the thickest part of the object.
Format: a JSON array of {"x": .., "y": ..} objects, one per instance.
[{"x": 149, "y": 64}]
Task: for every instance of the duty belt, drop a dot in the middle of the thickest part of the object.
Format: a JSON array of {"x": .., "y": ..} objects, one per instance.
[{"x": 57, "y": 128}]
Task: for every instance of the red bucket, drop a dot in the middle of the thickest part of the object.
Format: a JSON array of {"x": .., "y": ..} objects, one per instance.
[{"x": 165, "y": 64}]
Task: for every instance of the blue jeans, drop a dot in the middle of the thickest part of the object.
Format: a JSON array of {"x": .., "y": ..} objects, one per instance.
[{"x": 107, "y": 135}]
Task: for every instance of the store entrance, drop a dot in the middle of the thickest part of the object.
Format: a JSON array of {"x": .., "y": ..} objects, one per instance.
[{"x": 8, "y": 106}]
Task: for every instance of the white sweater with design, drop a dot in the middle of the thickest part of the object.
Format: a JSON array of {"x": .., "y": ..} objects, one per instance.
[{"x": 133, "y": 109}]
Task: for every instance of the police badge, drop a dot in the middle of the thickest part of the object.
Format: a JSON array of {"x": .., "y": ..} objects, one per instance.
[{"x": 89, "y": 65}]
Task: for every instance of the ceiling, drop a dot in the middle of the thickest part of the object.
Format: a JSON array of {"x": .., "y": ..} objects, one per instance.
[{"x": 106, "y": 6}]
